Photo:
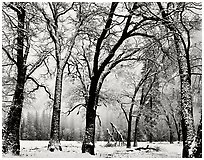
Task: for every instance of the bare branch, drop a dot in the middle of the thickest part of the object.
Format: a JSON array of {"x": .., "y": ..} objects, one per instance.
[
  {"x": 37, "y": 64},
  {"x": 40, "y": 85},
  {"x": 13, "y": 7},
  {"x": 65, "y": 11},
  {"x": 9, "y": 56},
  {"x": 121, "y": 105},
  {"x": 99, "y": 120},
  {"x": 200, "y": 74},
  {"x": 72, "y": 109}
]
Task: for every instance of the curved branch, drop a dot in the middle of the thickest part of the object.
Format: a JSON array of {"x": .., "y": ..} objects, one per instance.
[
  {"x": 72, "y": 109},
  {"x": 40, "y": 85}
]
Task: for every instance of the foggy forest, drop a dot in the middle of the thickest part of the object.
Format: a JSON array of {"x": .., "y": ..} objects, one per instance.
[{"x": 108, "y": 79}]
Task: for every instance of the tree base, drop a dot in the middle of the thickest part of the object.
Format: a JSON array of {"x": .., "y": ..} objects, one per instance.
[
  {"x": 88, "y": 148},
  {"x": 54, "y": 145},
  {"x": 11, "y": 146}
]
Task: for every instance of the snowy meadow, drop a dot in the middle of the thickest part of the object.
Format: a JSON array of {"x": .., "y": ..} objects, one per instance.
[{"x": 72, "y": 149}]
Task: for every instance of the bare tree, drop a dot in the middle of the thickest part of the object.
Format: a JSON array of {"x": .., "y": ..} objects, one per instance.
[
  {"x": 63, "y": 45},
  {"x": 133, "y": 103},
  {"x": 104, "y": 63},
  {"x": 182, "y": 50},
  {"x": 16, "y": 46}
]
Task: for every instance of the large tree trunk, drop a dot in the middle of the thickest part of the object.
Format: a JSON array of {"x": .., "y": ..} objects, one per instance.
[
  {"x": 88, "y": 142},
  {"x": 11, "y": 129},
  {"x": 186, "y": 100},
  {"x": 54, "y": 142}
]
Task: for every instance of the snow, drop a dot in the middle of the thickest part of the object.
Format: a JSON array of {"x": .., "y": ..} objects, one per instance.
[{"x": 72, "y": 149}]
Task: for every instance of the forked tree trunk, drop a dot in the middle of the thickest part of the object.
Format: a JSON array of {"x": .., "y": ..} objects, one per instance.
[
  {"x": 11, "y": 143},
  {"x": 54, "y": 142}
]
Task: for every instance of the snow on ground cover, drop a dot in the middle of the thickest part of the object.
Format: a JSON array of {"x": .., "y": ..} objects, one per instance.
[{"x": 72, "y": 149}]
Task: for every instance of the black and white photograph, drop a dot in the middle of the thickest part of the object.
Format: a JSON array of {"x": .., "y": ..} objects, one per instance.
[{"x": 94, "y": 79}]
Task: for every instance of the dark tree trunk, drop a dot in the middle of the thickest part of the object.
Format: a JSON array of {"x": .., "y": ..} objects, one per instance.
[
  {"x": 54, "y": 142},
  {"x": 170, "y": 134},
  {"x": 179, "y": 136},
  {"x": 151, "y": 122},
  {"x": 129, "y": 120},
  {"x": 136, "y": 130},
  {"x": 11, "y": 141},
  {"x": 150, "y": 137},
  {"x": 11, "y": 129},
  {"x": 89, "y": 143},
  {"x": 177, "y": 128},
  {"x": 170, "y": 129},
  {"x": 129, "y": 132}
]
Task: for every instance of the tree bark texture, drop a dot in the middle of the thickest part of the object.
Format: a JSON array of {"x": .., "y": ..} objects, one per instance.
[
  {"x": 186, "y": 100},
  {"x": 54, "y": 142},
  {"x": 11, "y": 143},
  {"x": 198, "y": 148}
]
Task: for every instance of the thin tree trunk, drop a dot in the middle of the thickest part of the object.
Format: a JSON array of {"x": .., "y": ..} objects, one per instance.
[
  {"x": 177, "y": 128},
  {"x": 136, "y": 130},
  {"x": 170, "y": 129},
  {"x": 170, "y": 134},
  {"x": 151, "y": 122},
  {"x": 54, "y": 142},
  {"x": 129, "y": 132},
  {"x": 11, "y": 129}
]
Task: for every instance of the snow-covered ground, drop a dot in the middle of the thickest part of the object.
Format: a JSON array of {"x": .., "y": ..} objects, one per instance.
[{"x": 72, "y": 149}]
